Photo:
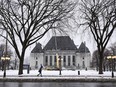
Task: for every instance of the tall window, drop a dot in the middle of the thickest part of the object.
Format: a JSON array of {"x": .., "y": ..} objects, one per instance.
[
  {"x": 50, "y": 60},
  {"x": 55, "y": 60},
  {"x": 73, "y": 60},
  {"x": 83, "y": 64},
  {"x": 78, "y": 66},
  {"x": 36, "y": 64},
  {"x": 64, "y": 60},
  {"x": 46, "y": 60},
  {"x": 68, "y": 60}
]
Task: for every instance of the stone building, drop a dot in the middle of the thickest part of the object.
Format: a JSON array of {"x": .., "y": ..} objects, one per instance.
[{"x": 60, "y": 47}]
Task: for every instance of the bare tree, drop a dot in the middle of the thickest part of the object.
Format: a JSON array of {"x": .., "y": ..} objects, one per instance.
[
  {"x": 27, "y": 21},
  {"x": 95, "y": 59},
  {"x": 100, "y": 17},
  {"x": 113, "y": 48},
  {"x": 2, "y": 49}
]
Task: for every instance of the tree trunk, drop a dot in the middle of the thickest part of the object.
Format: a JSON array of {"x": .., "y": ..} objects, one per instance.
[
  {"x": 101, "y": 63},
  {"x": 21, "y": 61},
  {"x": 100, "y": 67},
  {"x": 21, "y": 66}
]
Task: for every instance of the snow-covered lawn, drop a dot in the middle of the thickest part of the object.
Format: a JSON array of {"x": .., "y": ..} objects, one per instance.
[{"x": 88, "y": 73}]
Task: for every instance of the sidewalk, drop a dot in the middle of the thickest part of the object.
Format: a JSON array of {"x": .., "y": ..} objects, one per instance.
[{"x": 53, "y": 76}]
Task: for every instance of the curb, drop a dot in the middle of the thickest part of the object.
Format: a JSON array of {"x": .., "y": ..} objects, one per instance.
[{"x": 57, "y": 79}]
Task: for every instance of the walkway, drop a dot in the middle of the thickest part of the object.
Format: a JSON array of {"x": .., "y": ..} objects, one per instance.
[{"x": 50, "y": 76}]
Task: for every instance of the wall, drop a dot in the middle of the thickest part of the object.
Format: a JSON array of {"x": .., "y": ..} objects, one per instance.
[
  {"x": 80, "y": 57},
  {"x": 36, "y": 57}
]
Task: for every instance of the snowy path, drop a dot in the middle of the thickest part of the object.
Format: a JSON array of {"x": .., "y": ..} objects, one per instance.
[
  {"x": 52, "y": 76},
  {"x": 65, "y": 73}
]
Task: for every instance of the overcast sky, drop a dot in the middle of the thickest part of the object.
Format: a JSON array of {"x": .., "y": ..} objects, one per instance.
[{"x": 77, "y": 37}]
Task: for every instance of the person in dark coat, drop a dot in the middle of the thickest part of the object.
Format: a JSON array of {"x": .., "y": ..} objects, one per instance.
[{"x": 40, "y": 71}]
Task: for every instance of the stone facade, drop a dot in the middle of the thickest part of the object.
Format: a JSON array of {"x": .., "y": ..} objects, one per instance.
[{"x": 71, "y": 56}]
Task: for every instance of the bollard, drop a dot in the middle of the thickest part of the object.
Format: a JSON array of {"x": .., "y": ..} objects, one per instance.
[
  {"x": 28, "y": 69},
  {"x": 78, "y": 72},
  {"x": 86, "y": 68}
]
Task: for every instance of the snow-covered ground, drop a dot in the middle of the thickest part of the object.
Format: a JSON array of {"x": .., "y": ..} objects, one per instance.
[{"x": 83, "y": 73}]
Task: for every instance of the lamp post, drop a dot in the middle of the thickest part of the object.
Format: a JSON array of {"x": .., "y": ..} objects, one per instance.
[
  {"x": 112, "y": 57},
  {"x": 4, "y": 59},
  {"x": 59, "y": 63},
  {"x": 60, "y": 68},
  {"x": 112, "y": 67}
]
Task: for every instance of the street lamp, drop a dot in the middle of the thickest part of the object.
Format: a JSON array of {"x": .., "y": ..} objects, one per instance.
[
  {"x": 60, "y": 68},
  {"x": 112, "y": 66},
  {"x": 60, "y": 64},
  {"x": 4, "y": 59},
  {"x": 112, "y": 57},
  {"x": 59, "y": 61}
]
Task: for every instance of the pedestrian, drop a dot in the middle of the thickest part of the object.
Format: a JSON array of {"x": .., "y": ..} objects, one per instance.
[{"x": 40, "y": 71}]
